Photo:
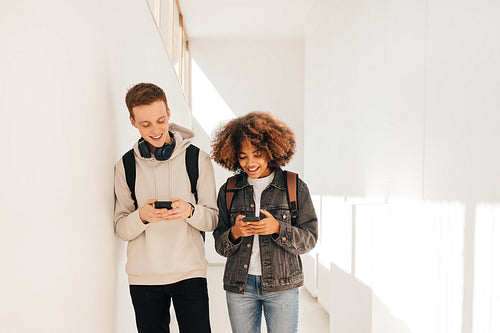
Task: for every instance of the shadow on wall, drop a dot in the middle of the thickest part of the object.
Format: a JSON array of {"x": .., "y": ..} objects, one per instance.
[
  {"x": 352, "y": 305},
  {"x": 385, "y": 266}
]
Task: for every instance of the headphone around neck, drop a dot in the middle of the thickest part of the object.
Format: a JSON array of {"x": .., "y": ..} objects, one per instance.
[{"x": 162, "y": 153}]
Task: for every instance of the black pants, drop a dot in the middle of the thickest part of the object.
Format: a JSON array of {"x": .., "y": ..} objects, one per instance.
[{"x": 152, "y": 306}]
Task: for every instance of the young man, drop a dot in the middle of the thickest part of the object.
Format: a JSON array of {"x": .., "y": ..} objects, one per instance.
[{"x": 165, "y": 251}]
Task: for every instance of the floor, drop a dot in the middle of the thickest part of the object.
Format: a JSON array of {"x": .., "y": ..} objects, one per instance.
[{"x": 312, "y": 317}]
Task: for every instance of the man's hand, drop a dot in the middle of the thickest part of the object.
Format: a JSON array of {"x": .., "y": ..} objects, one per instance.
[
  {"x": 148, "y": 213},
  {"x": 180, "y": 210}
]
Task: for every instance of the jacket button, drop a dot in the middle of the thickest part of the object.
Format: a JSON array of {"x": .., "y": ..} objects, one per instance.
[
  {"x": 252, "y": 205},
  {"x": 283, "y": 239},
  {"x": 245, "y": 266},
  {"x": 284, "y": 216},
  {"x": 248, "y": 245}
]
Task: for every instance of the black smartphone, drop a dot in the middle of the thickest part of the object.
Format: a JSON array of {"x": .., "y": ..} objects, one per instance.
[
  {"x": 251, "y": 219},
  {"x": 163, "y": 204}
]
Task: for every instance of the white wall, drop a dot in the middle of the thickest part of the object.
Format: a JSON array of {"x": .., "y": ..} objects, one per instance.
[
  {"x": 251, "y": 75},
  {"x": 65, "y": 68},
  {"x": 405, "y": 94},
  {"x": 364, "y": 96},
  {"x": 233, "y": 77}
]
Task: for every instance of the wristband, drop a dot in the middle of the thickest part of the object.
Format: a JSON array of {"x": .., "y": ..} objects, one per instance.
[{"x": 192, "y": 211}]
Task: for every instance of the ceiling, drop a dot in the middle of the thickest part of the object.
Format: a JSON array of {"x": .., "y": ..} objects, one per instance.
[{"x": 245, "y": 19}]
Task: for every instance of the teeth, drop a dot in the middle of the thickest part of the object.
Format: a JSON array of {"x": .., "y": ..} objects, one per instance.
[
  {"x": 254, "y": 169},
  {"x": 156, "y": 137}
]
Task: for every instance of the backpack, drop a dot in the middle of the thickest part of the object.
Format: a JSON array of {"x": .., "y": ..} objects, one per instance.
[
  {"x": 192, "y": 153},
  {"x": 291, "y": 192}
]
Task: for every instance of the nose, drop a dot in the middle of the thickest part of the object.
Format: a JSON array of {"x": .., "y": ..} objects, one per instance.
[{"x": 156, "y": 128}]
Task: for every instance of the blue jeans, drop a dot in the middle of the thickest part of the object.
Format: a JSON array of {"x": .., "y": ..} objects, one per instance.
[{"x": 281, "y": 309}]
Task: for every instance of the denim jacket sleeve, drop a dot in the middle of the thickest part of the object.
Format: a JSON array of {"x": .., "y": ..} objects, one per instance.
[
  {"x": 223, "y": 244},
  {"x": 301, "y": 237}
]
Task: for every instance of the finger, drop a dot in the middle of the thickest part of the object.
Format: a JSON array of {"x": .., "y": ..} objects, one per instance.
[
  {"x": 246, "y": 231},
  {"x": 151, "y": 201},
  {"x": 177, "y": 202},
  {"x": 182, "y": 211},
  {"x": 261, "y": 231},
  {"x": 170, "y": 216},
  {"x": 266, "y": 213},
  {"x": 154, "y": 219},
  {"x": 243, "y": 228},
  {"x": 173, "y": 211},
  {"x": 257, "y": 228},
  {"x": 259, "y": 223}
]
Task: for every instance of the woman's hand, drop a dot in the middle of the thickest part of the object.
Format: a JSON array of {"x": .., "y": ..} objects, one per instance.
[
  {"x": 267, "y": 226},
  {"x": 240, "y": 229}
]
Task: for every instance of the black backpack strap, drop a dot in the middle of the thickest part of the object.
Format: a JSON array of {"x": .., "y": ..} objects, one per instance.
[
  {"x": 129, "y": 166},
  {"x": 192, "y": 153},
  {"x": 230, "y": 188},
  {"x": 291, "y": 193}
]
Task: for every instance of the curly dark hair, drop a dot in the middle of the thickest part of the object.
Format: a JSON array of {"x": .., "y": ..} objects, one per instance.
[{"x": 273, "y": 138}]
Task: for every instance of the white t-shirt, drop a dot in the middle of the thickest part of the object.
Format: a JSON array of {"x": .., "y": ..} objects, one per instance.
[{"x": 259, "y": 185}]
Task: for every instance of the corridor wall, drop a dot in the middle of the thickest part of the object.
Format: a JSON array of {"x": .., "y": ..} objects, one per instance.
[
  {"x": 65, "y": 68},
  {"x": 250, "y": 75},
  {"x": 408, "y": 186},
  {"x": 234, "y": 77}
]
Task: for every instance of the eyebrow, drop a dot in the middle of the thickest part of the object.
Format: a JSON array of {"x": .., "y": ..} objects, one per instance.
[{"x": 147, "y": 121}]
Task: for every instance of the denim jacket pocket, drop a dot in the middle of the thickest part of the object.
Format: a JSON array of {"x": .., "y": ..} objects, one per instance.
[{"x": 282, "y": 215}]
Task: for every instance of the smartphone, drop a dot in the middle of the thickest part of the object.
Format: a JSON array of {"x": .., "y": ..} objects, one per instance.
[
  {"x": 163, "y": 204},
  {"x": 251, "y": 219}
]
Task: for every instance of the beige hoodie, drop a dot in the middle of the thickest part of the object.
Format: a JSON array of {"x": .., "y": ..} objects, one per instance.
[{"x": 168, "y": 251}]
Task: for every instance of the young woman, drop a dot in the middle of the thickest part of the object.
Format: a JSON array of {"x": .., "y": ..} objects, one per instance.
[{"x": 263, "y": 268}]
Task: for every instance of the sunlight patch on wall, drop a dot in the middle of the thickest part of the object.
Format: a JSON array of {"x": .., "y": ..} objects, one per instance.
[
  {"x": 208, "y": 106},
  {"x": 367, "y": 218},
  {"x": 418, "y": 264},
  {"x": 335, "y": 241},
  {"x": 487, "y": 269}
]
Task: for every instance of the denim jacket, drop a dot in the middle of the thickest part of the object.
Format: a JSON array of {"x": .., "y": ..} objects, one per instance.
[{"x": 281, "y": 264}]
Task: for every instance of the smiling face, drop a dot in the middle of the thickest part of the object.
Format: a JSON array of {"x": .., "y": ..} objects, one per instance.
[
  {"x": 253, "y": 161},
  {"x": 152, "y": 122}
]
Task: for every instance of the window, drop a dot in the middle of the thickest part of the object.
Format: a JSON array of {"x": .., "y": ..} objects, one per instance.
[{"x": 170, "y": 23}]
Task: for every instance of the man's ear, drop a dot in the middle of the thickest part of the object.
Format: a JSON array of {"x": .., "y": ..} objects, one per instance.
[
  {"x": 168, "y": 113},
  {"x": 132, "y": 121}
]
